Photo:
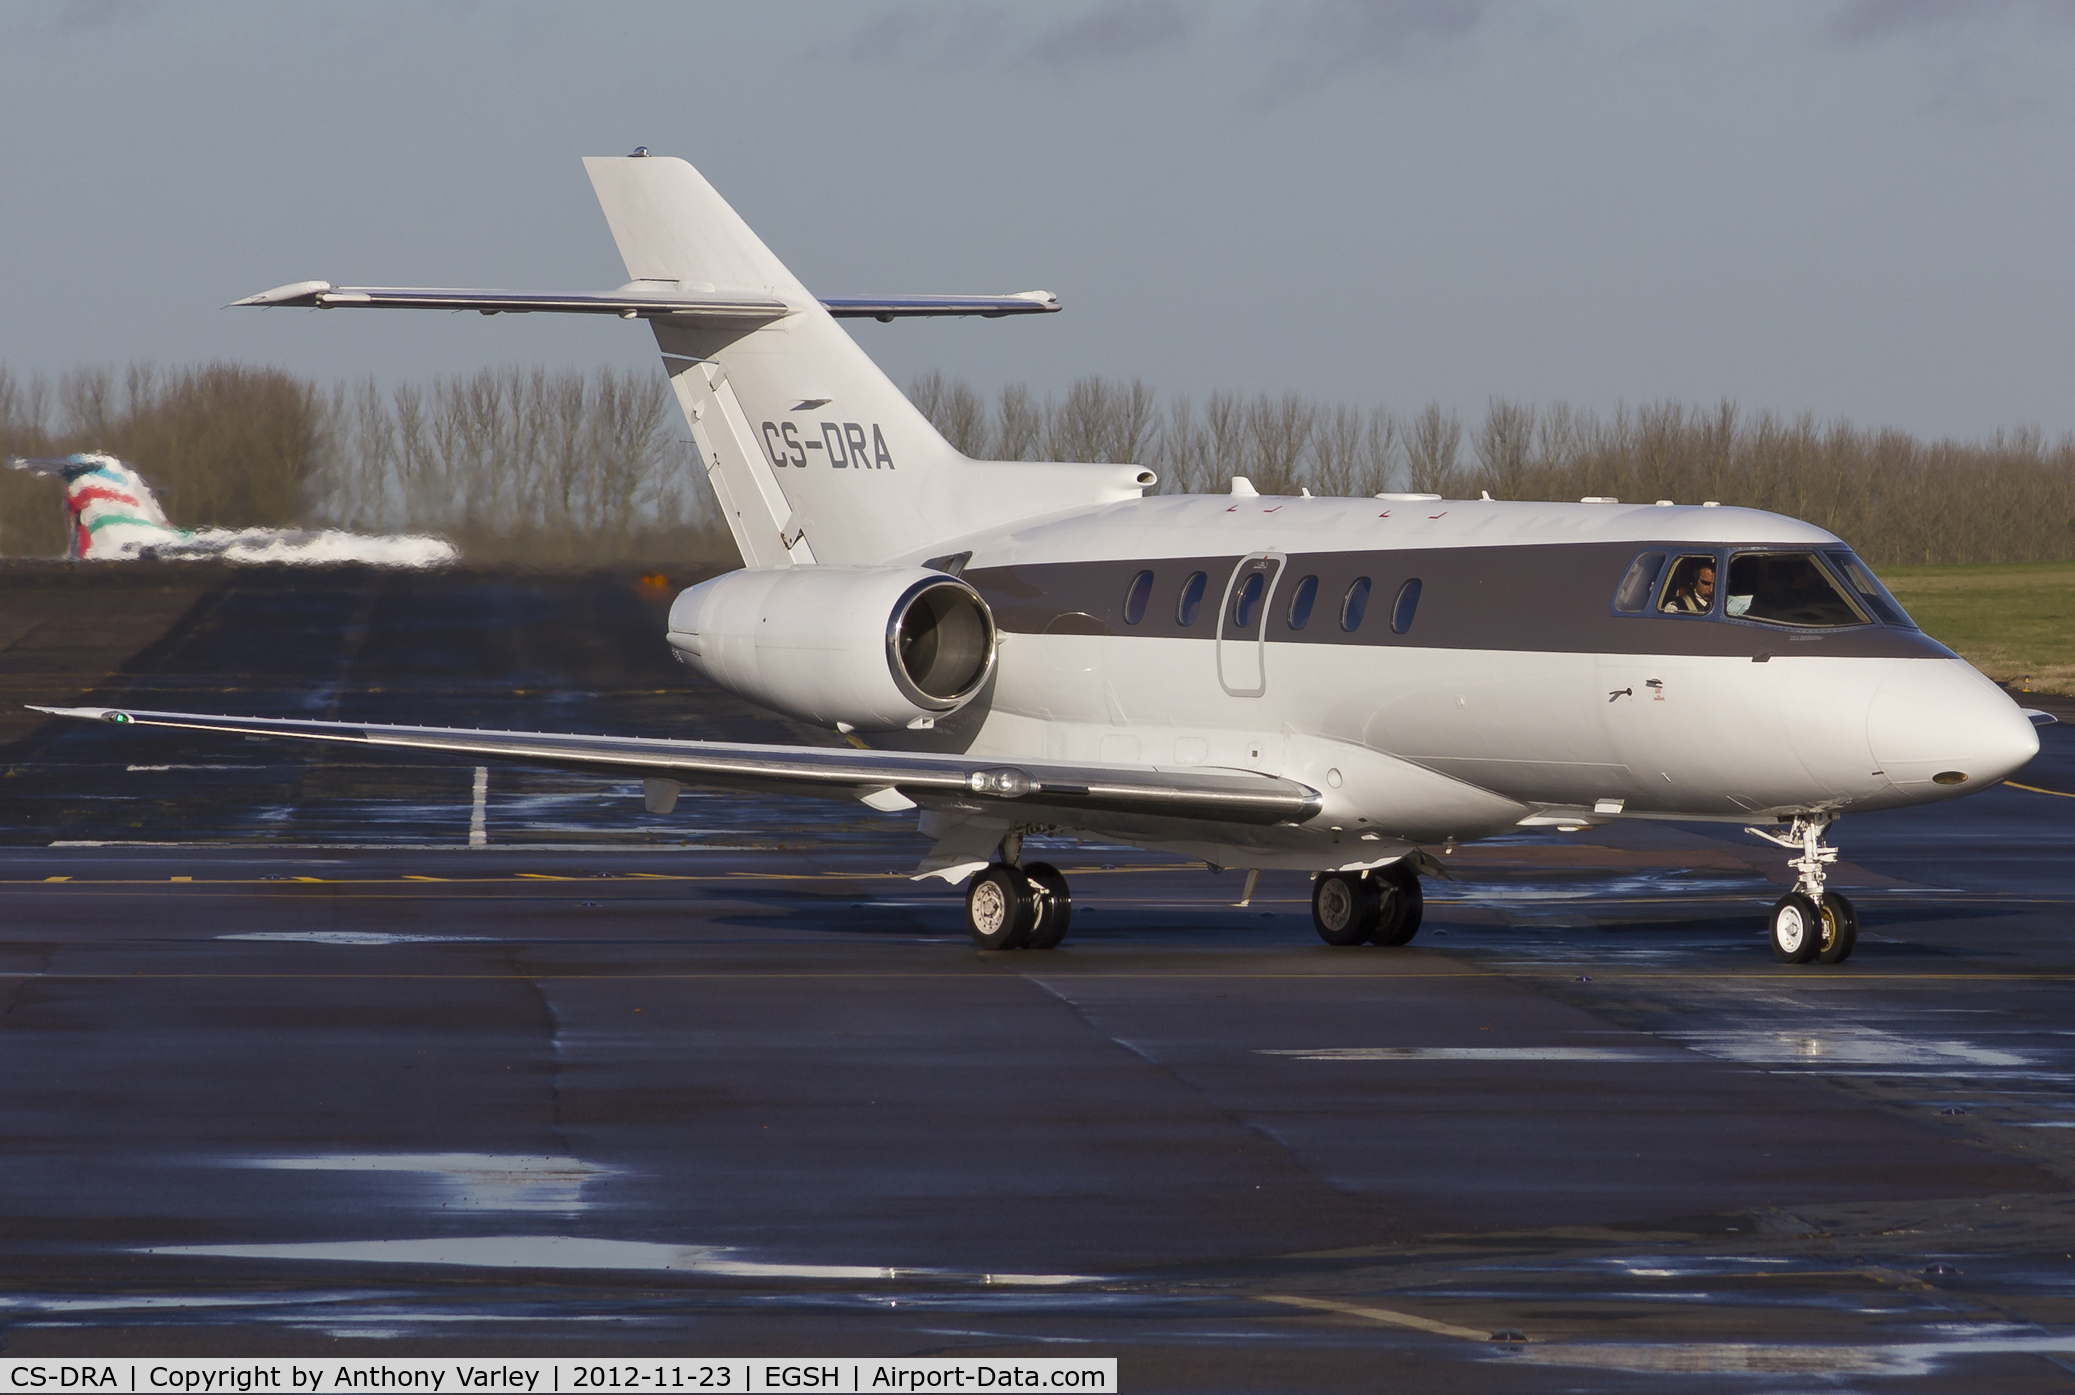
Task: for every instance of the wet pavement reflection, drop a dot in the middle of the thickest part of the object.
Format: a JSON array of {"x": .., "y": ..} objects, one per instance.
[{"x": 292, "y": 1068}]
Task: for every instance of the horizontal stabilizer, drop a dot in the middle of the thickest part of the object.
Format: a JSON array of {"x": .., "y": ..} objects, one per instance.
[
  {"x": 1230, "y": 796},
  {"x": 665, "y": 300}
]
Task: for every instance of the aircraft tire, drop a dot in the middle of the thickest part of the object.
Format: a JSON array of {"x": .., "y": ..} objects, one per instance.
[
  {"x": 1795, "y": 928},
  {"x": 1345, "y": 907},
  {"x": 1404, "y": 906},
  {"x": 1055, "y": 906},
  {"x": 1000, "y": 908},
  {"x": 1840, "y": 929}
]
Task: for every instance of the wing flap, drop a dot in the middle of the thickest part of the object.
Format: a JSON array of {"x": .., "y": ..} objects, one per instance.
[{"x": 1225, "y": 796}]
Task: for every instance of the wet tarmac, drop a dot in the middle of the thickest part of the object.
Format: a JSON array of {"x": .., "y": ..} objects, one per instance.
[{"x": 290, "y": 1067}]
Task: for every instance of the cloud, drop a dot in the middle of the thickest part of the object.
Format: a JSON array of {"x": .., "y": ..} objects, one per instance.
[
  {"x": 1111, "y": 31},
  {"x": 1353, "y": 33},
  {"x": 1870, "y": 21},
  {"x": 104, "y": 14}
]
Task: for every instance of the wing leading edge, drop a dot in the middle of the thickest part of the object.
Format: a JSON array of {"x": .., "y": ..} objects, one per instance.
[{"x": 1225, "y": 796}]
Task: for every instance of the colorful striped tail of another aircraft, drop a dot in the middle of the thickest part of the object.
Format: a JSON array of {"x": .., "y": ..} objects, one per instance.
[{"x": 114, "y": 516}]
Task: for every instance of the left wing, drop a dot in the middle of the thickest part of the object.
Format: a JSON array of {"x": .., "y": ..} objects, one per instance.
[{"x": 885, "y": 779}]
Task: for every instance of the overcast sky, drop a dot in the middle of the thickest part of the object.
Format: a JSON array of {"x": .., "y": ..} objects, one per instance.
[{"x": 1853, "y": 208}]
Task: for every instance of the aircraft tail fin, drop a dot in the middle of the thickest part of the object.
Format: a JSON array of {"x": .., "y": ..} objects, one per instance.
[
  {"x": 113, "y": 511},
  {"x": 814, "y": 454}
]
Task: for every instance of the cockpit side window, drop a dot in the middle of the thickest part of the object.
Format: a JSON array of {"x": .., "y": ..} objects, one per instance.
[
  {"x": 1787, "y": 588},
  {"x": 1632, "y": 597},
  {"x": 1874, "y": 595},
  {"x": 1689, "y": 589}
]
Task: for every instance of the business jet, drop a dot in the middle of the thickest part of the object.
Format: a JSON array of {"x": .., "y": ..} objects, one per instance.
[
  {"x": 115, "y": 517},
  {"x": 1328, "y": 685}
]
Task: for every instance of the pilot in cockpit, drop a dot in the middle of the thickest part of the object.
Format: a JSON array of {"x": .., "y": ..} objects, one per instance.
[{"x": 1693, "y": 592}]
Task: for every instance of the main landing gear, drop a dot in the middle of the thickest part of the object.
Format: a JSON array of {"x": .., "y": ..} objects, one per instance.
[
  {"x": 1014, "y": 904},
  {"x": 1809, "y": 922},
  {"x": 1380, "y": 907}
]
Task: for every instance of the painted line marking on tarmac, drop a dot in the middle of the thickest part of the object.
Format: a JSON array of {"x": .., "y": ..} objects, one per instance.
[
  {"x": 2063, "y": 794},
  {"x": 1383, "y": 1315},
  {"x": 57, "y": 879}
]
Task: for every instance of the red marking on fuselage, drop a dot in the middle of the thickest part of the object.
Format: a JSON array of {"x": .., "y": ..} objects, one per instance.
[
  {"x": 1432, "y": 516},
  {"x": 79, "y": 498}
]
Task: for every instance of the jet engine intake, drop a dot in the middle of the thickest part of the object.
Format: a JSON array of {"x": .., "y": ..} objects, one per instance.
[{"x": 872, "y": 648}]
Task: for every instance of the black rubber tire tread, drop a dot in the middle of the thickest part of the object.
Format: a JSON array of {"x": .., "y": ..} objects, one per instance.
[
  {"x": 1812, "y": 937},
  {"x": 1055, "y": 906},
  {"x": 1362, "y": 911},
  {"x": 1404, "y": 907},
  {"x": 1020, "y": 908},
  {"x": 1845, "y": 936}
]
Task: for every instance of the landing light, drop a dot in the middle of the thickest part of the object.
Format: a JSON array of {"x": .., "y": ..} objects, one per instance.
[
  {"x": 1949, "y": 777},
  {"x": 1008, "y": 783}
]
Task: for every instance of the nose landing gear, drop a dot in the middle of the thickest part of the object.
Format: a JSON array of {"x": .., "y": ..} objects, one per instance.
[{"x": 1810, "y": 922}]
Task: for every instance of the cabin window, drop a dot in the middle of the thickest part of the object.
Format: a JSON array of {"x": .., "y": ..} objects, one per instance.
[
  {"x": 1406, "y": 607},
  {"x": 1787, "y": 588},
  {"x": 1356, "y": 601},
  {"x": 1246, "y": 601},
  {"x": 1632, "y": 597},
  {"x": 1135, "y": 598},
  {"x": 1191, "y": 600},
  {"x": 1301, "y": 601},
  {"x": 1689, "y": 589},
  {"x": 1871, "y": 592}
]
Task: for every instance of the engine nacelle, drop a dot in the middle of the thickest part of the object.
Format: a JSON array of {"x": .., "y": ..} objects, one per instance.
[{"x": 868, "y": 647}]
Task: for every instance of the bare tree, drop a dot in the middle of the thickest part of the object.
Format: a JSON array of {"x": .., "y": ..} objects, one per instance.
[
  {"x": 957, "y": 412},
  {"x": 1022, "y": 424},
  {"x": 1279, "y": 430},
  {"x": 1339, "y": 460},
  {"x": 1101, "y": 421},
  {"x": 1505, "y": 445},
  {"x": 1431, "y": 449}
]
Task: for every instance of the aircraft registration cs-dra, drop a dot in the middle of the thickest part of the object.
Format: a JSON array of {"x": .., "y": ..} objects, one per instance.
[{"x": 1260, "y": 682}]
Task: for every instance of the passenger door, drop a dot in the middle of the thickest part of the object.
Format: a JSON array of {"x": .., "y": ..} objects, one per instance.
[{"x": 1243, "y": 624}]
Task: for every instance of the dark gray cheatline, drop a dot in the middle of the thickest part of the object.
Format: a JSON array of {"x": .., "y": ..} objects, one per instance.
[{"x": 1589, "y": 598}]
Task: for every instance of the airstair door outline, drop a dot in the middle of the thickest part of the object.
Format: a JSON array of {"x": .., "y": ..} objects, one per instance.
[{"x": 1243, "y": 624}]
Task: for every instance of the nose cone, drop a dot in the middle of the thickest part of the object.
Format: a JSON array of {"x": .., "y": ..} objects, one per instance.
[{"x": 1939, "y": 729}]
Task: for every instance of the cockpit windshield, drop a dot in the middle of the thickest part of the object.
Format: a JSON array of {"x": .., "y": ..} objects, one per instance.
[
  {"x": 1788, "y": 588},
  {"x": 1872, "y": 594}
]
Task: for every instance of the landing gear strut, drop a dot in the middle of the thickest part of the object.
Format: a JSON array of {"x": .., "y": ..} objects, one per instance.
[
  {"x": 1013, "y": 904},
  {"x": 1380, "y": 907},
  {"x": 1809, "y": 922}
]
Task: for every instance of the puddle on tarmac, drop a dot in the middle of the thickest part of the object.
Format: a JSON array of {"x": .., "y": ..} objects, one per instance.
[
  {"x": 468, "y": 1181},
  {"x": 354, "y": 937},
  {"x": 1484, "y": 1053},
  {"x": 1752, "y": 1358},
  {"x": 583, "y": 1252},
  {"x": 1843, "y": 1046}
]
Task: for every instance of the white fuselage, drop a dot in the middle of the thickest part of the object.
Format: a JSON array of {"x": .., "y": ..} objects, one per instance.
[{"x": 1493, "y": 710}]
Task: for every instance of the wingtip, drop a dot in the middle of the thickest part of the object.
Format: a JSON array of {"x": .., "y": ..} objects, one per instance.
[
  {"x": 296, "y": 292},
  {"x": 85, "y": 714}
]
